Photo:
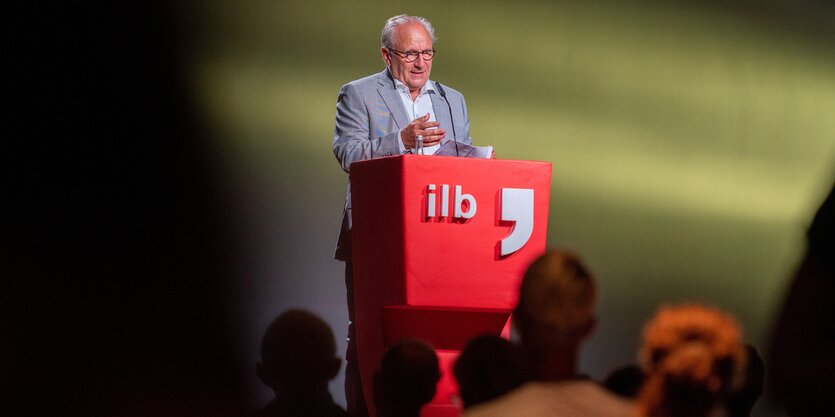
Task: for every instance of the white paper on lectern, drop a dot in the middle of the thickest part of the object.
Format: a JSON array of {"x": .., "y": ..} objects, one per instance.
[{"x": 463, "y": 150}]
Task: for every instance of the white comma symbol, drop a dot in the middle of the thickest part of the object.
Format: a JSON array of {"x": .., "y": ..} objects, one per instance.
[{"x": 517, "y": 207}]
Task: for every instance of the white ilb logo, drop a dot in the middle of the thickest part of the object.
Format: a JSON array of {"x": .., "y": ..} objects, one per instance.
[
  {"x": 460, "y": 199},
  {"x": 516, "y": 207}
]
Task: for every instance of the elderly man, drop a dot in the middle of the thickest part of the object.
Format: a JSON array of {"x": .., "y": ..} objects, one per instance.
[
  {"x": 555, "y": 315},
  {"x": 387, "y": 114}
]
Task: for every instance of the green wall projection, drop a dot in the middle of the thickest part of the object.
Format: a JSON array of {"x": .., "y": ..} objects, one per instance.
[{"x": 691, "y": 142}]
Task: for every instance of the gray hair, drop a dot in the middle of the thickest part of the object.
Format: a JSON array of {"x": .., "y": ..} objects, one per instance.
[{"x": 386, "y": 37}]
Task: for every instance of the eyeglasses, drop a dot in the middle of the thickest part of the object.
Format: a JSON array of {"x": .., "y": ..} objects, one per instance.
[{"x": 411, "y": 56}]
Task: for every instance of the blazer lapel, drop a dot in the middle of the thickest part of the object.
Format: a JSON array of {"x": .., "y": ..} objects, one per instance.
[{"x": 392, "y": 99}]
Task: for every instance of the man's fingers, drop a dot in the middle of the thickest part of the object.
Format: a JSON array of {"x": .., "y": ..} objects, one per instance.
[
  {"x": 427, "y": 125},
  {"x": 431, "y": 140},
  {"x": 428, "y": 133},
  {"x": 421, "y": 119}
]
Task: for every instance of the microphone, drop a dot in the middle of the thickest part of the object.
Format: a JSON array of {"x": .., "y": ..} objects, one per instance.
[{"x": 451, "y": 119}]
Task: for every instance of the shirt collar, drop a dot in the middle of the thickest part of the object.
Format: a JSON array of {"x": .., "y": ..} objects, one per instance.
[{"x": 429, "y": 86}]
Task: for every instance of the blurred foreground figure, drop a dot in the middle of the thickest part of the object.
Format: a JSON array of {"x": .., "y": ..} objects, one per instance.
[
  {"x": 802, "y": 359},
  {"x": 488, "y": 367},
  {"x": 406, "y": 379},
  {"x": 742, "y": 400},
  {"x": 694, "y": 359},
  {"x": 555, "y": 314},
  {"x": 298, "y": 358},
  {"x": 625, "y": 381}
]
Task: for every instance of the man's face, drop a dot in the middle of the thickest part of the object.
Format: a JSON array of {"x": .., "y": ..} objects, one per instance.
[{"x": 409, "y": 37}]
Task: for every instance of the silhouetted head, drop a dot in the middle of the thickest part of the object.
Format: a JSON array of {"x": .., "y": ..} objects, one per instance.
[
  {"x": 556, "y": 303},
  {"x": 692, "y": 356},
  {"x": 298, "y": 351},
  {"x": 488, "y": 367},
  {"x": 407, "y": 378},
  {"x": 625, "y": 381}
]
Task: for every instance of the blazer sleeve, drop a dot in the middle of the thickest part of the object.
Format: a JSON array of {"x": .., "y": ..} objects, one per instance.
[{"x": 353, "y": 138}]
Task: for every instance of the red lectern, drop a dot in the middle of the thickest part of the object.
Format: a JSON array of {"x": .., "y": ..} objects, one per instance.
[{"x": 439, "y": 247}]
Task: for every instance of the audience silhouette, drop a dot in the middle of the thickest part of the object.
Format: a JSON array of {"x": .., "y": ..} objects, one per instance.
[
  {"x": 298, "y": 358},
  {"x": 406, "y": 379},
  {"x": 555, "y": 314},
  {"x": 741, "y": 401},
  {"x": 694, "y": 363},
  {"x": 625, "y": 381},
  {"x": 488, "y": 367},
  {"x": 802, "y": 356},
  {"x": 694, "y": 358}
]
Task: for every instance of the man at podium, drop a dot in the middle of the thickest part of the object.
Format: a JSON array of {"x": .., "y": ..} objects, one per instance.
[{"x": 397, "y": 111}]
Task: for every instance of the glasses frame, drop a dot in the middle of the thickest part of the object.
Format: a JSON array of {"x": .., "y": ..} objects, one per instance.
[{"x": 405, "y": 54}]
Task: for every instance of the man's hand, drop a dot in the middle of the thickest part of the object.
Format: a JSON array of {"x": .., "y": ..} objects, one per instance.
[{"x": 432, "y": 134}]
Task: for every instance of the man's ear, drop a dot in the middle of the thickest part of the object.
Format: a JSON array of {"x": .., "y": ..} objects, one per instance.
[
  {"x": 336, "y": 365},
  {"x": 386, "y": 56},
  {"x": 263, "y": 374}
]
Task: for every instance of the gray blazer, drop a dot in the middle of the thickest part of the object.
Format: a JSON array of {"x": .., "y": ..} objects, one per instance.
[{"x": 369, "y": 117}]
